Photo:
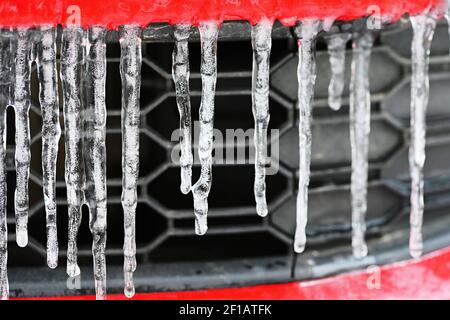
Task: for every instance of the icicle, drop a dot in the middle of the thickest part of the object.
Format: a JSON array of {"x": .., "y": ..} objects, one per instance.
[
  {"x": 262, "y": 43},
  {"x": 4, "y": 286},
  {"x": 423, "y": 27},
  {"x": 72, "y": 55},
  {"x": 359, "y": 137},
  {"x": 180, "y": 73},
  {"x": 130, "y": 70},
  {"x": 336, "y": 50},
  {"x": 51, "y": 132},
  {"x": 208, "y": 37},
  {"x": 95, "y": 151},
  {"x": 21, "y": 100},
  {"x": 306, "y": 73},
  {"x": 4, "y": 97}
]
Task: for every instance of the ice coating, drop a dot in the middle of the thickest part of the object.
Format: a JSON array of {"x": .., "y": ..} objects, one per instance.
[
  {"x": 208, "y": 38},
  {"x": 94, "y": 149},
  {"x": 262, "y": 44},
  {"x": 5, "y": 64},
  {"x": 306, "y": 33},
  {"x": 336, "y": 50},
  {"x": 72, "y": 62},
  {"x": 130, "y": 70},
  {"x": 21, "y": 68},
  {"x": 423, "y": 27},
  {"x": 359, "y": 137},
  {"x": 180, "y": 74},
  {"x": 51, "y": 131}
]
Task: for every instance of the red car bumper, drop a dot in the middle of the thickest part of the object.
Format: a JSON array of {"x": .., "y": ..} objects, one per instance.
[
  {"x": 115, "y": 13},
  {"x": 425, "y": 278}
]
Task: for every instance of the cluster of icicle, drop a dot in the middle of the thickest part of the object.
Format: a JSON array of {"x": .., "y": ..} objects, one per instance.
[
  {"x": 306, "y": 33},
  {"x": 83, "y": 75}
]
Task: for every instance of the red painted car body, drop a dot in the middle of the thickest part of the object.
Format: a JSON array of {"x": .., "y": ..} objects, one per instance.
[{"x": 113, "y": 13}]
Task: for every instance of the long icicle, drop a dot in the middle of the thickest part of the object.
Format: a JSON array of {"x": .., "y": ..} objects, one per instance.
[
  {"x": 95, "y": 151},
  {"x": 306, "y": 73},
  {"x": 209, "y": 31},
  {"x": 4, "y": 285},
  {"x": 336, "y": 51},
  {"x": 180, "y": 74},
  {"x": 423, "y": 27},
  {"x": 5, "y": 64},
  {"x": 262, "y": 44},
  {"x": 72, "y": 56},
  {"x": 22, "y": 102},
  {"x": 51, "y": 132},
  {"x": 359, "y": 137},
  {"x": 130, "y": 70}
]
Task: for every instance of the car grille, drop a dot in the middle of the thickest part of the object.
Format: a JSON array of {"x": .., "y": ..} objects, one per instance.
[{"x": 240, "y": 247}]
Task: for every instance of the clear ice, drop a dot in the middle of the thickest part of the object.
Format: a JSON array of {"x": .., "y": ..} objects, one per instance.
[
  {"x": 72, "y": 62},
  {"x": 336, "y": 50},
  {"x": 209, "y": 31},
  {"x": 262, "y": 44},
  {"x": 359, "y": 137},
  {"x": 180, "y": 74},
  {"x": 306, "y": 73},
  {"x": 94, "y": 149},
  {"x": 21, "y": 101},
  {"x": 130, "y": 70},
  {"x": 423, "y": 27},
  {"x": 51, "y": 131},
  {"x": 4, "y": 102}
]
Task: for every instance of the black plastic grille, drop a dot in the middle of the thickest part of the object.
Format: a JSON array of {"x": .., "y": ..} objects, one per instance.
[{"x": 237, "y": 237}]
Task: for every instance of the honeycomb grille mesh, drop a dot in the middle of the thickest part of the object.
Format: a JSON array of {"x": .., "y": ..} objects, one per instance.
[{"x": 165, "y": 221}]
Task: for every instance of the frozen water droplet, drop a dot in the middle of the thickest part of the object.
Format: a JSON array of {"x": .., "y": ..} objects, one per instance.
[
  {"x": 51, "y": 131},
  {"x": 262, "y": 44},
  {"x": 180, "y": 74},
  {"x": 72, "y": 59},
  {"x": 423, "y": 27},
  {"x": 94, "y": 149},
  {"x": 336, "y": 51},
  {"x": 306, "y": 74},
  {"x": 129, "y": 268},
  {"x": 130, "y": 70},
  {"x": 209, "y": 31},
  {"x": 359, "y": 137}
]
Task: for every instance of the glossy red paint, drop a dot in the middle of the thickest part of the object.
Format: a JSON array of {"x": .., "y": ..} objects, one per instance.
[
  {"x": 425, "y": 278},
  {"x": 113, "y": 13}
]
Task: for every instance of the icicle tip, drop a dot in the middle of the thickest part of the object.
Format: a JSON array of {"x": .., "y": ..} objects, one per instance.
[
  {"x": 299, "y": 246},
  {"x": 261, "y": 209},
  {"x": 201, "y": 225},
  {"x": 22, "y": 237},
  {"x": 360, "y": 252},
  {"x": 415, "y": 244}
]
